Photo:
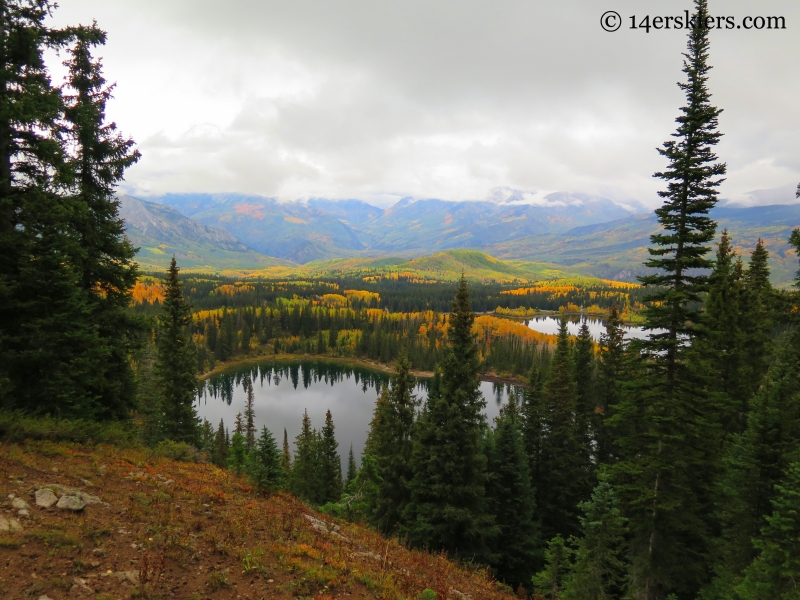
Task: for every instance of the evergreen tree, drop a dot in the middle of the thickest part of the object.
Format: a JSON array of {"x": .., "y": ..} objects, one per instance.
[
  {"x": 100, "y": 156},
  {"x": 352, "y": 468},
  {"x": 390, "y": 444},
  {"x": 220, "y": 454},
  {"x": 206, "y": 438},
  {"x": 759, "y": 460},
  {"x": 237, "y": 454},
  {"x": 585, "y": 381},
  {"x": 264, "y": 468},
  {"x": 564, "y": 472},
  {"x": 599, "y": 569},
  {"x": 50, "y": 351},
  {"x": 446, "y": 511},
  {"x": 333, "y": 334},
  {"x": 320, "y": 343},
  {"x": 330, "y": 464},
  {"x": 670, "y": 441},
  {"x": 532, "y": 416},
  {"x": 303, "y": 482},
  {"x": 758, "y": 310},
  {"x": 362, "y": 493},
  {"x": 175, "y": 366},
  {"x": 549, "y": 581},
  {"x": 722, "y": 343},
  {"x": 611, "y": 361},
  {"x": 286, "y": 455},
  {"x": 249, "y": 416},
  {"x": 511, "y": 500},
  {"x": 775, "y": 572}
]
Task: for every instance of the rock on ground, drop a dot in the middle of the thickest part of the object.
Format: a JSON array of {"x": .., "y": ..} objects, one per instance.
[
  {"x": 9, "y": 525},
  {"x": 45, "y": 498},
  {"x": 73, "y": 503}
]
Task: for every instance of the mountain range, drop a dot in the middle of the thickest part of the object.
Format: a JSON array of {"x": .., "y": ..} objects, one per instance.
[
  {"x": 319, "y": 228},
  {"x": 576, "y": 232},
  {"x": 160, "y": 231}
]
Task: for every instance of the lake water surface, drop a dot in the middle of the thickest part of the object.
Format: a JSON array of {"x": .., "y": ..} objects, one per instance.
[
  {"x": 596, "y": 327},
  {"x": 283, "y": 390}
]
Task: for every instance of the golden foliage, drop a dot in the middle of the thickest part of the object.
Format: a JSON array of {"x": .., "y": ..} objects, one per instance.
[{"x": 147, "y": 292}]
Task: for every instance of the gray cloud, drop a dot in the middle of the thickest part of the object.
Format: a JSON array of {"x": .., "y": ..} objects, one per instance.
[{"x": 358, "y": 98}]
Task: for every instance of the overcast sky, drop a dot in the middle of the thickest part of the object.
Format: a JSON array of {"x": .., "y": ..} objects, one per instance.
[{"x": 380, "y": 99}]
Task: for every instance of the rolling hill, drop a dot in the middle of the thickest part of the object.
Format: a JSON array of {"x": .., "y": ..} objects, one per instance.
[
  {"x": 616, "y": 250},
  {"x": 160, "y": 231},
  {"x": 444, "y": 266}
]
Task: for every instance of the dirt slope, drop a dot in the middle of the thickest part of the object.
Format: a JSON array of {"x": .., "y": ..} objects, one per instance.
[{"x": 154, "y": 528}]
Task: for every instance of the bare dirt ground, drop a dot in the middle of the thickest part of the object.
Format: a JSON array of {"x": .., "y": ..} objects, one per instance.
[{"x": 147, "y": 527}]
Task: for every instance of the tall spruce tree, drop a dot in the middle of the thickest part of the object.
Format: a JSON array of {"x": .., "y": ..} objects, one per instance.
[
  {"x": 99, "y": 157},
  {"x": 774, "y": 574},
  {"x": 585, "y": 382},
  {"x": 249, "y": 415},
  {"x": 532, "y": 415},
  {"x": 511, "y": 500},
  {"x": 548, "y": 582},
  {"x": 352, "y": 468},
  {"x": 722, "y": 345},
  {"x": 759, "y": 459},
  {"x": 264, "y": 468},
  {"x": 565, "y": 470},
  {"x": 758, "y": 310},
  {"x": 303, "y": 481},
  {"x": 219, "y": 455},
  {"x": 669, "y": 442},
  {"x": 330, "y": 464},
  {"x": 390, "y": 444},
  {"x": 611, "y": 369},
  {"x": 286, "y": 456},
  {"x": 51, "y": 350},
  {"x": 599, "y": 570},
  {"x": 176, "y": 363},
  {"x": 237, "y": 453},
  {"x": 447, "y": 508}
]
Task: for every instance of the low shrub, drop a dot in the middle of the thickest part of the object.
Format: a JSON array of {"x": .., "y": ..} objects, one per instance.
[
  {"x": 16, "y": 427},
  {"x": 179, "y": 451}
]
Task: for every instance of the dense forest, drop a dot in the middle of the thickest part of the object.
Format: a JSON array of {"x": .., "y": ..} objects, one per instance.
[{"x": 662, "y": 468}]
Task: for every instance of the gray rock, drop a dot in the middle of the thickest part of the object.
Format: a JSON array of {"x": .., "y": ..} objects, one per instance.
[
  {"x": 8, "y": 525},
  {"x": 73, "y": 503},
  {"x": 19, "y": 503},
  {"x": 45, "y": 498},
  {"x": 131, "y": 576},
  {"x": 89, "y": 499},
  {"x": 24, "y": 512}
]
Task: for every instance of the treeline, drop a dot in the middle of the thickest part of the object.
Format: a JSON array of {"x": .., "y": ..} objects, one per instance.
[
  {"x": 307, "y": 327},
  {"x": 209, "y": 292}
]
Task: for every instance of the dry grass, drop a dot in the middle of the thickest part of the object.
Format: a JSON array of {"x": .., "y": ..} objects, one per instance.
[{"x": 207, "y": 535}]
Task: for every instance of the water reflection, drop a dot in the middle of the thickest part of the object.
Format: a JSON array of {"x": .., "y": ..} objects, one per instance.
[
  {"x": 596, "y": 327},
  {"x": 283, "y": 390}
]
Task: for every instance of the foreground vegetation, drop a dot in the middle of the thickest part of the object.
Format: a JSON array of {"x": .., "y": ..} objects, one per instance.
[{"x": 193, "y": 530}]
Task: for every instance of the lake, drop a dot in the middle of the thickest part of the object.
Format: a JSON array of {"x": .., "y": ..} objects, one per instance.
[
  {"x": 283, "y": 390},
  {"x": 596, "y": 326}
]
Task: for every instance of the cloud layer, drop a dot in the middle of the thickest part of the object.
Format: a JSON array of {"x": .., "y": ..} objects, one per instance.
[{"x": 448, "y": 99}]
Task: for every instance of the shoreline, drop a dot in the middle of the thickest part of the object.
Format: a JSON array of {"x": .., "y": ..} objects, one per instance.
[{"x": 376, "y": 366}]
